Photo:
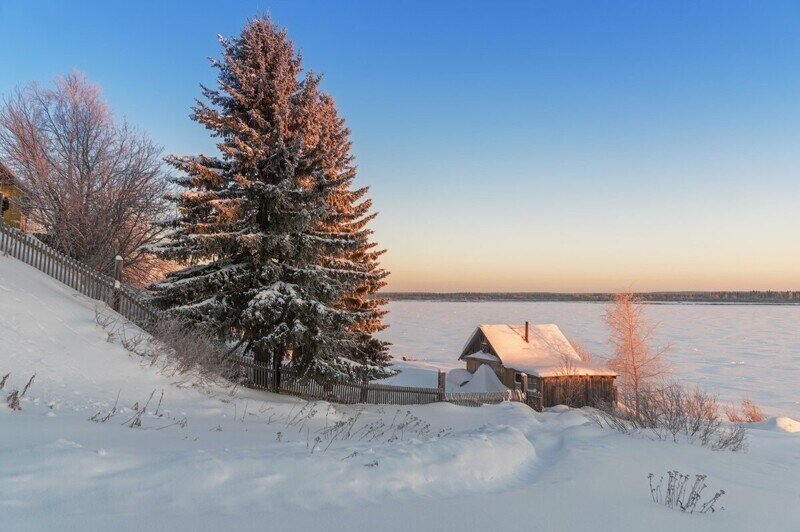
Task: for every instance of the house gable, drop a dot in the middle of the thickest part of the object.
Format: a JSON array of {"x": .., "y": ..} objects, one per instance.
[{"x": 477, "y": 342}]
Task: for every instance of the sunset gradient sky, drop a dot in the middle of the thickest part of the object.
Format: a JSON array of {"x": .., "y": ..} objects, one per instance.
[{"x": 510, "y": 146}]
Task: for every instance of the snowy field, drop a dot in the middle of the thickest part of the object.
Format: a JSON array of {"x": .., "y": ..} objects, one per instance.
[
  {"x": 731, "y": 350},
  {"x": 204, "y": 459}
]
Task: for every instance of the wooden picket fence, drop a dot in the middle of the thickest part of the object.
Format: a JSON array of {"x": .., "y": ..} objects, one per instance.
[
  {"x": 484, "y": 398},
  {"x": 80, "y": 277},
  {"x": 263, "y": 377},
  {"x": 136, "y": 307}
]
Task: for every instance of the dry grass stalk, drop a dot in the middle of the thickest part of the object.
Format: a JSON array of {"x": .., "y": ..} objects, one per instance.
[
  {"x": 136, "y": 420},
  {"x": 98, "y": 418},
  {"x": 13, "y": 401},
  {"x": 679, "y": 494},
  {"x": 25, "y": 389}
]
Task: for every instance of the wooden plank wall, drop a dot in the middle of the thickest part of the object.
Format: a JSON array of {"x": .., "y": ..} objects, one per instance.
[{"x": 578, "y": 391}]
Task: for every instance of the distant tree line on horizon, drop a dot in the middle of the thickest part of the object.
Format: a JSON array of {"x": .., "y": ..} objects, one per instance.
[{"x": 752, "y": 296}]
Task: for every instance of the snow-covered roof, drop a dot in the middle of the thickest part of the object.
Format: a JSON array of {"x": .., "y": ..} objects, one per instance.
[{"x": 548, "y": 353}]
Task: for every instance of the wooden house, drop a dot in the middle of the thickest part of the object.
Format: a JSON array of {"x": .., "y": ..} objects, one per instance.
[
  {"x": 539, "y": 360},
  {"x": 10, "y": 196}
]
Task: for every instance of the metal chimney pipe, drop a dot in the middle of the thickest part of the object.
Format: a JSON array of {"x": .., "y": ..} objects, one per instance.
[{"x": 527, "y": 337}]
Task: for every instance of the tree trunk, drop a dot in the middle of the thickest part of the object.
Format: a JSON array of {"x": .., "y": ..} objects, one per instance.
[
  {"x": 277, "y": 361},
  {"x": 262, "y": 357}
]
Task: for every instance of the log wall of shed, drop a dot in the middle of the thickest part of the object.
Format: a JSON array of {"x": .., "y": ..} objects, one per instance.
[{"x": 578, "y": 390}]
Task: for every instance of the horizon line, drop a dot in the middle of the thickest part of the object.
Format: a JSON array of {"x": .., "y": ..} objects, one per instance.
[{"x": 589, "y": 293}]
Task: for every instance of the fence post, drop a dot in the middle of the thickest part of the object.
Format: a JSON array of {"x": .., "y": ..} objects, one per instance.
[
  {"x": 3, "y": 238},
  {"x": 276, "y": 385},
  {"x": 441, "y": 385},
  {"x": 364, "y": 390},
  {"x": 117, "y": 282},
  {"x": 523, "y": 378}
]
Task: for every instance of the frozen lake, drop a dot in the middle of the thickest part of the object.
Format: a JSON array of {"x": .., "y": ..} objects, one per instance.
[{"x": 731, "y": 350}]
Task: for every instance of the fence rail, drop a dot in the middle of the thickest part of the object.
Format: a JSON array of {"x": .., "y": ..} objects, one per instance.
[{"x": 135, "y": 307}]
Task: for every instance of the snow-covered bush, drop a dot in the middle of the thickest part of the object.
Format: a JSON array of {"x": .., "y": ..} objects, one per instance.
[
  {"x": 750, "y": 413},
  {"x": 679, "y": 495},
  {"x": 176, "y": 346},
  {"x": 190, "y": 348},
  {"x": 674, "y": 412}
]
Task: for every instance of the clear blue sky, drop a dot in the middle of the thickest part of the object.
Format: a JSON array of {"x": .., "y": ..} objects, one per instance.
[{"x": 537, "y": 145}]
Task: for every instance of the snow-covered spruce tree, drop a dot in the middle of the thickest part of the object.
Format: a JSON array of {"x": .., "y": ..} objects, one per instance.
[
  {"x": 266, "y": 267},
  {"x": 349, "y": 214}
]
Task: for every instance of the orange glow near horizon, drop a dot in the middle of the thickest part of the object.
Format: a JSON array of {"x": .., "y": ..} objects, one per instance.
[
  {"x": 499, "y": 269},
  {"x": 685, "y": 238}
]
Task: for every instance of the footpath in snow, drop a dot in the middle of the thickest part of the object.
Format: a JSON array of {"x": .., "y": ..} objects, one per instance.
[{"x": 204, "y": 458}]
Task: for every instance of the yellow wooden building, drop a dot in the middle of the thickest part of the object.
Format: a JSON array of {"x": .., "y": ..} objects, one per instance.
[{"x": 10, "y": 190}]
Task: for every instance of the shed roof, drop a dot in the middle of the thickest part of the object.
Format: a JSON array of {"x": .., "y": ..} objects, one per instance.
[
  {"x": 6, "y": 177},
  {"x": 548, "y": 353}
]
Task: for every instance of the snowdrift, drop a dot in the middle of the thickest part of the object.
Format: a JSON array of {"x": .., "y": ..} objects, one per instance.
[
  {"x": 482, "y": 381},
  {"x": 781, "y": 424}
]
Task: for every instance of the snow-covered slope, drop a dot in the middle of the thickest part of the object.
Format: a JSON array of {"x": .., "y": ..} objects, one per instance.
[{"x": 203, "y": 459}]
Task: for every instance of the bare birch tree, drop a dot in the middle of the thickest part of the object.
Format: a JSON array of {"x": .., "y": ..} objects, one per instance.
[
  {"x": 638, "y": 364},
  {"x": 92, "y": 184}
]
